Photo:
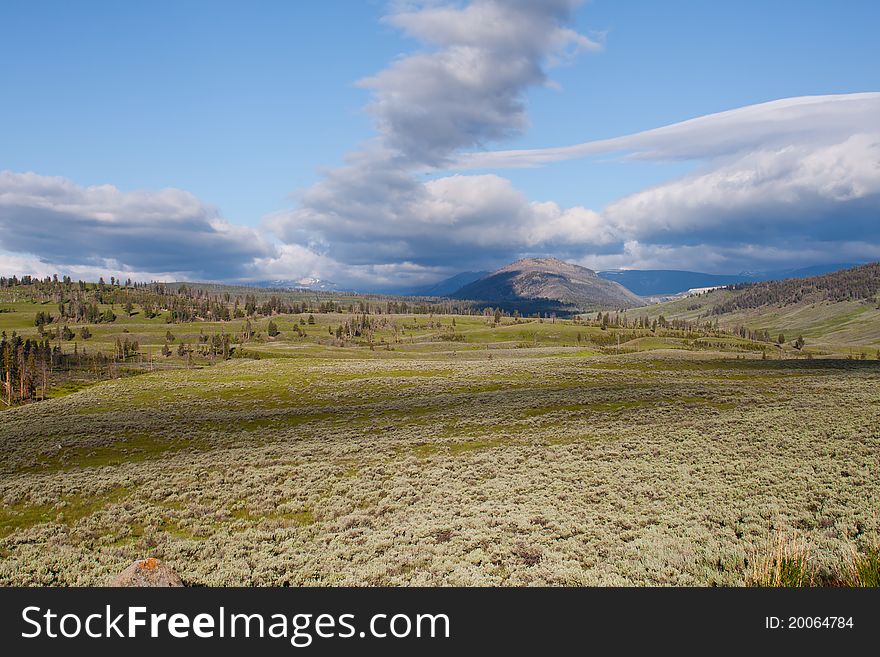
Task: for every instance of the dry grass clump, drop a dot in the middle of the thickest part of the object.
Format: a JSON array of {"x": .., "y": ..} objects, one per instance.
[
  {"x": 863, "y": 568},
  {"x": 786, "y": 564}
]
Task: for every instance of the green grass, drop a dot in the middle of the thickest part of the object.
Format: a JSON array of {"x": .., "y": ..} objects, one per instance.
[
  {"x": 302, "y": 518},
  {"x": 22, "y": 516},
  {"x": 133, "y": 448},
  {"x": 865, "y": 570}
]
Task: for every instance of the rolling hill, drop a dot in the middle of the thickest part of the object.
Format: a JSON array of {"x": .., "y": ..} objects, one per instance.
[
  {"x": 547, "y": 285},
  {"x": 835, "y": 310}
]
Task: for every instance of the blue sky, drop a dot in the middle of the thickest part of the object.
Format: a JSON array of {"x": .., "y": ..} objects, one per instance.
[{"x": 250, "y": 109}]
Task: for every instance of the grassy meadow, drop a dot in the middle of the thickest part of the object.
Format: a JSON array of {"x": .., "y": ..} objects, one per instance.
[{"x": 448, "y": 451}]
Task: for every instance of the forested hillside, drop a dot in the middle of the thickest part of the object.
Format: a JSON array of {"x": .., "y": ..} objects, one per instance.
[
  {"x": 856, "y": 284},
  {"x": 837, "y": 311},
  {"x": 80, "y": 301}
]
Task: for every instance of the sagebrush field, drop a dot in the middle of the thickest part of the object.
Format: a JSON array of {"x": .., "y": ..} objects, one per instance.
[{"x": 473, "y": 453}]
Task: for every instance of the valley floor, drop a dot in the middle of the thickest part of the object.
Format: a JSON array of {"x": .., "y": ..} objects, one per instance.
[{"x": 521, "y": 467}]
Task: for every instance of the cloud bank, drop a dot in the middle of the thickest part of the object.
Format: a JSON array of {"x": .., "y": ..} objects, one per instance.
[
  {"x": 465, "y": 89},
  {"x": 786, "y": 183},
  {"x": 163, "y": 234},
  {"x": 807, "y": 119},
  {"x": 799, "y": 172}
]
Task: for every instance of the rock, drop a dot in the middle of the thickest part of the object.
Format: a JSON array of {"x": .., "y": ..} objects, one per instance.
[{"x": 147, "y": 572}]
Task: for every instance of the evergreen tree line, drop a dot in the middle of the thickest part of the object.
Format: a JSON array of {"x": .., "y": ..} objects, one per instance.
[
  {"x": 28, "y": 367},
  {"x": 856, "y": 284},
  {"x": 82, "y": 302}
]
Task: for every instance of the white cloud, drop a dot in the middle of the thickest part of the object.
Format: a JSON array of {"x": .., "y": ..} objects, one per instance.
[
  {"x": 799, "y": 169},
  {"x": 800, "y": 192},
  {"x": 101, "y": 228},
  {"x": 464, "y": 89},
  {"x": 803, "y": 171},
  {"x": 786, "y": 183},
  {"x": 295, "y": 263},
  {"x": 816, "y": 120},
  {"x": 714, "y": 258},
  {"x": 17, "y": 264},
  {"x": 790, "y": 182},
  {"x": 443, "y": 222},
  {"x": 467, "y": 88}
]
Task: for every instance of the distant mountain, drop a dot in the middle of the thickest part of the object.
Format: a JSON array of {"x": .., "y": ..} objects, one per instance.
[
  {"x": 448, "y": 285},
  {"x": 641, "y": 282},
  {"x": 306, "y": 283},
  {"x": 547, "y": 285},
  {"x": 656, "y": 282},
  {"x": 803, "y": 272}
]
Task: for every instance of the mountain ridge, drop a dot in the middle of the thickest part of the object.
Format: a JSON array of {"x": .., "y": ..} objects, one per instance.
[
  {"x": 547, "y": 285},
  {"x": 658, "y": 282},
  {"x": 449, "y": 285}
]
